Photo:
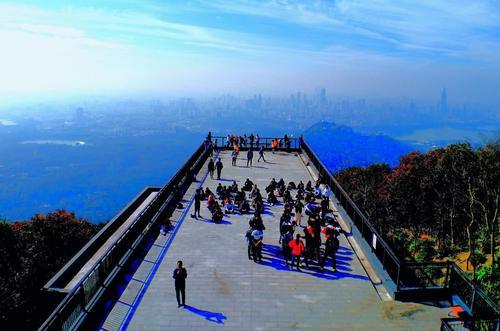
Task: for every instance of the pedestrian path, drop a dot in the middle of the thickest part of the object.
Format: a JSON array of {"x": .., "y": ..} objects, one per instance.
[{"x": 227, "y": 291}]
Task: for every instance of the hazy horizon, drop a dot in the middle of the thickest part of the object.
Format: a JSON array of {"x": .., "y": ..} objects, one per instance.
[{"x": 376, "y": 49}]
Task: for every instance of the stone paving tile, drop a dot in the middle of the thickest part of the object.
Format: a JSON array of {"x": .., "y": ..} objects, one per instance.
[{"x": 226, "y": 291}]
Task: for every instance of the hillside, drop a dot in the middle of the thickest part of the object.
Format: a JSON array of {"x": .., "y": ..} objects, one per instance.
[{"x": 340, "y": 147}]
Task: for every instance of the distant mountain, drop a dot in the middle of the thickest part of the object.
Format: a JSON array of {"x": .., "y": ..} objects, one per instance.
[{"x": 340, "y": 147}]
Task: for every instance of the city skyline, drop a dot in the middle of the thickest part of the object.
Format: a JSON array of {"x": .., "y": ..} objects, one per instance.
[{"x": 377, "y": 49}]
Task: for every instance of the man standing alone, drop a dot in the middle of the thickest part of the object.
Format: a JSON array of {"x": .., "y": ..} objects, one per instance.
[
  {"x": 180, "y": 275},
  {"x": 250, "y": 156},
  {"x": 197, "y": 203},
  {"x": 219, "y": 167}
]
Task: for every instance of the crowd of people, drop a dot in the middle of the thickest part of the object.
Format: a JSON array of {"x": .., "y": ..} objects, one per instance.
[
  {"x": 297, "y": 248},
  {"x": 301, "y": 244}
]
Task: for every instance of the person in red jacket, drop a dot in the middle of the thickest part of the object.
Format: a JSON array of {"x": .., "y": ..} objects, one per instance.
[{"x": 297, "y": 247}]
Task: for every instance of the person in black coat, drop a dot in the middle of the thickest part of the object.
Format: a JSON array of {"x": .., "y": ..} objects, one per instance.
[
  {"x": 219, "y": 167},
  {"x": 211, "y": 168},
  {"x": 197, "y": 202},
  {"x": 249, "y": 157},
  {"x": 180, "y": 275}
]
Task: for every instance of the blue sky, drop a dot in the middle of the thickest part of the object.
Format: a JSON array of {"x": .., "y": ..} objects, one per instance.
[{"x": 363, "y": 48}]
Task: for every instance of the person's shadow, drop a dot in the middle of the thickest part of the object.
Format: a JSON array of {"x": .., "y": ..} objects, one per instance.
[{"x": 213, "y": 317}]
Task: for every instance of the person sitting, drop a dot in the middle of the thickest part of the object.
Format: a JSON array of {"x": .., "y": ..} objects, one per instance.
[
  {"x": 207, "y": 193},
  {"x": 234, "y": 187},
  {"x": 244, "y": 207},
  {"x": 291, "y": 186},
  {"x": 317, "y": 192},
  {"x": 221, "y": 192},
  {"x": 281, "y": 182},
  {"x": 248, "y": 185},
  {"x": 228, "y": 205},
  {"x": 272, "y": 186},
  {"x": 258, "y": 205},
  {"x": 256, "y": 194},
  {"x": 217, "y": 215},
  {"x": 300, "y": 186},
  {"x": 271, "y": 198},
  {"x": 219, "y": 189},
  {"x": 281, "y": 190},
  {"x": 211, "y": 202},
  {"x": 253, "y": 190},
  {"x": 239, "y": 197},
  {"x": 309, "y": 186},
  {"x": 287, "y": 197}
]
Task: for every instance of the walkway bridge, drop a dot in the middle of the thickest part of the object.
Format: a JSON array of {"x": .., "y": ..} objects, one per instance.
[{"x": 122, "y": 278}]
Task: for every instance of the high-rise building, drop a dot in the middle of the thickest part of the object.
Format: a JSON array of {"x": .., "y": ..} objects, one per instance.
[
  {"x": 322, "y": 96},
  {"x": 443, "y": 105}
]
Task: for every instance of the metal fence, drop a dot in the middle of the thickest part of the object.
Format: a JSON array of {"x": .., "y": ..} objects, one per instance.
[
  {"x": 381, "y": 249},
  {"x": 222, "y": 142},
  {"x": 459, "y": 324},
  {"x": 408, "y": 276},
  {"x": 76, "y": 306}
]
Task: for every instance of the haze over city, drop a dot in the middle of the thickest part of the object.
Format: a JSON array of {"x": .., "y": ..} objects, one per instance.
[
  {"x": 368, "y": 49},
  {"x": 311, "y": 164}
]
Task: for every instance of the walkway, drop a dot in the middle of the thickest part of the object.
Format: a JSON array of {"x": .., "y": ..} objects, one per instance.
[{"x": 227, "y": 291}]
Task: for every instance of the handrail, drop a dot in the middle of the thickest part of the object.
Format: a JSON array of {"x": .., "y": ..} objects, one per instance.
[
  {"x": 459, "y": 324},
  {"x": 404, "y": 266},
  {"x": 323, "y": 169},
  {"x": 163, "y": 197},
  {"x": 263, "y": 141},
  {"x": 160, "y": 205}
]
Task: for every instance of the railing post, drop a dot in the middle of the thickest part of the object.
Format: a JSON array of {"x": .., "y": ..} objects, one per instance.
[{"x": 397, "y": 278}]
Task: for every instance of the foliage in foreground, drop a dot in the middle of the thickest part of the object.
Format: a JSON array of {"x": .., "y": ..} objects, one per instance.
[
  {"x": 435, "y": 205},
  {"x": 30, "y": 253}
]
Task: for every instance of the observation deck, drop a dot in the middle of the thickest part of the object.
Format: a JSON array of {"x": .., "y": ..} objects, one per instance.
[{"x": 125, "y": 282}]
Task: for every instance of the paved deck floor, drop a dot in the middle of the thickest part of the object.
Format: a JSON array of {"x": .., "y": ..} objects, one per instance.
[{"x": 227, "y": 291}]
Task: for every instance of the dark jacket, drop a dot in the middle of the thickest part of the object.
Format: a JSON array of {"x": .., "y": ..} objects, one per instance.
[{"x": 180, "y": 276}]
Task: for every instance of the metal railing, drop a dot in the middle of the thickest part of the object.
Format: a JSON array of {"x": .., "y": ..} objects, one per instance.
[
  {"x": 382, "y": 250},
  {"x": 459, "y": 324},
  {"x": 72, "y": 311},
  {"x": 82, "y": 299},
  {"x": 222, "y": 142},
  {"x": 445, "y": 277}
]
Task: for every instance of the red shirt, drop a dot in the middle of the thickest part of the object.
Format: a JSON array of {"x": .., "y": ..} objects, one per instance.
[{"x": 297, "y": 249}]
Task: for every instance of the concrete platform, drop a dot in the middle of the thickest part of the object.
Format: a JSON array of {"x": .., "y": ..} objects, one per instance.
[{"x": 227, "y": 291}]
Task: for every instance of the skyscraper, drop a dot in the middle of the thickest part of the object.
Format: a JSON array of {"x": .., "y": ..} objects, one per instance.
[{"x": 443, "y": 106}]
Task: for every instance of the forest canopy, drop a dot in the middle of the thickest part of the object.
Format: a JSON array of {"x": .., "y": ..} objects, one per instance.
[
  {"x": 31, "y": 253},
  {"x": 439, "y": 205}
]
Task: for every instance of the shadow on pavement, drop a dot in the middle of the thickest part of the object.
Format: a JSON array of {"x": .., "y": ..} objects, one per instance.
[{"x": 210, "y": 316}]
